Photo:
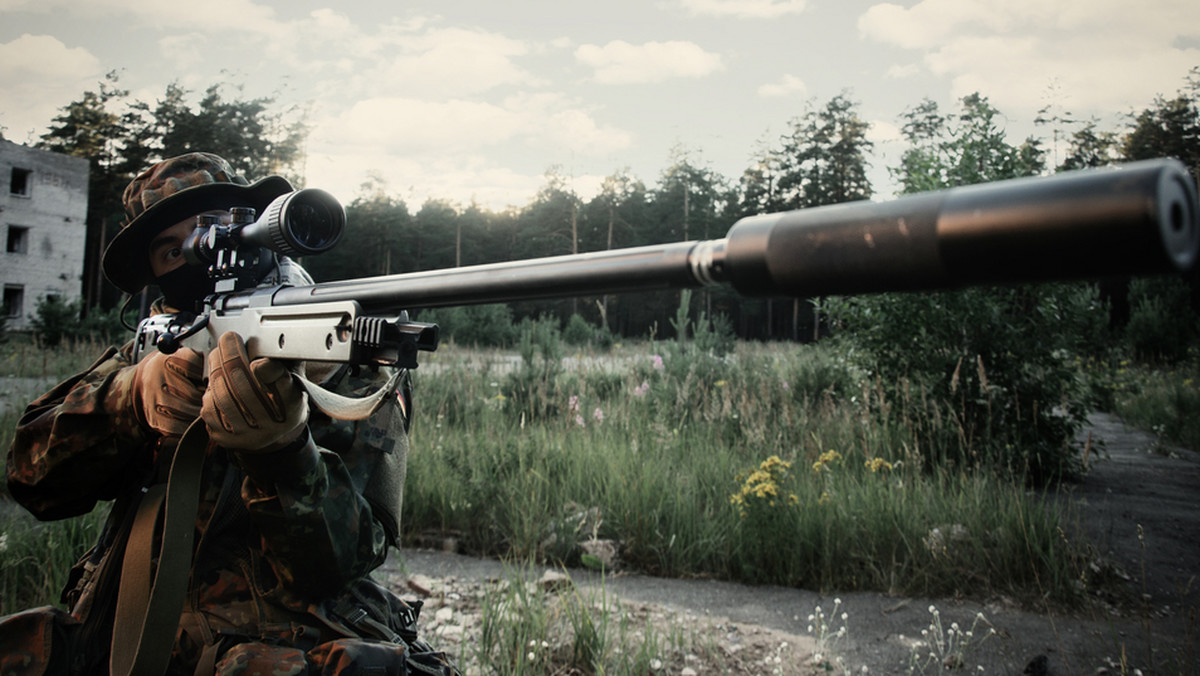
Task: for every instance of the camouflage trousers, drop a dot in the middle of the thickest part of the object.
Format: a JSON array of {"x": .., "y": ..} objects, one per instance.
[
  {"x": 45, "y": 642},
  {"x": 349, "y": 657}
]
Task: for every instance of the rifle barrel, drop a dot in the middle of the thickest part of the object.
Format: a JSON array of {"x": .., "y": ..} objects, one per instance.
[{"x": 1140, "y": 218}]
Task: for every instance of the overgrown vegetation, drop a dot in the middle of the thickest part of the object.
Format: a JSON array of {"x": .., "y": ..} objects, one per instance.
[
  {"x": 56, "y": 319},
  {"x": 532, "y": 628},
  {"x": 793, "y": 466},
  {"x": 997, "y": 362},
  {"x": 35, "y": 558},
  {"x": 656, "y": 465}
]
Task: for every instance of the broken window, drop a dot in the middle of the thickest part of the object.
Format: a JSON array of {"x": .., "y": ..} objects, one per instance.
[
  {"x": 14, "y": 301},
  {"x": 18, "y": 239},
  {"x": 19, "y": 184}
]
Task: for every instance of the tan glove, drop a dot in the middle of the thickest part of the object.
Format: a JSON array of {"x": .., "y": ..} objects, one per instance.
[
  {"x": 169, "y": 389},
  {"x": 251, "y": 406}
]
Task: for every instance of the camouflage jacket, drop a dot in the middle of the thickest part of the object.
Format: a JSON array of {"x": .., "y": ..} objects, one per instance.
[{"x": 282, "y": 539}]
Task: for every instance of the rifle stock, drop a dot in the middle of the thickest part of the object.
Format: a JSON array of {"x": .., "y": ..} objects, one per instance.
[{"x": 1140, "y": 218}]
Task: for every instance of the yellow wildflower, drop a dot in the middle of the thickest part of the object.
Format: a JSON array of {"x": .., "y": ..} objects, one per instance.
[
  {"x": 876, "y": 464},
  {"x": 826, "y": 459}
]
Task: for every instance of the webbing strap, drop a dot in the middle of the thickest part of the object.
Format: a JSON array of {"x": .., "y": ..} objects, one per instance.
[
  {"x": 148, "y": 611},
  {"x": 340, "y": 407}
]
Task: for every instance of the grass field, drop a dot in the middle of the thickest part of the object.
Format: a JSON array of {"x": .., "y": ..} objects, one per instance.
[{"x": 782, "y": 464}]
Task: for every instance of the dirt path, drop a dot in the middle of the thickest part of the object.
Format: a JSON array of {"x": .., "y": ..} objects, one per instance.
[{"x": 1152, "y": 626}]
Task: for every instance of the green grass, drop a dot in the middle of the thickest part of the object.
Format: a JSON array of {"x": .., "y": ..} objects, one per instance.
[
  {"x": 23, "y": 356},
  {"x": 527, "y": 628},
  {"x": 36, "y": 557},
  {"x": 1161, "y": 399},
  {"x": 507, "y": 463}
]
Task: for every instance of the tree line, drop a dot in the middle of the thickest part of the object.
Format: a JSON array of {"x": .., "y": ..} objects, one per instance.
[{"x": 821, "y": 159}]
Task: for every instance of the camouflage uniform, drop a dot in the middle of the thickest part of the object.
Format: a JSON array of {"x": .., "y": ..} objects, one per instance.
[{"x": 284, "y": 540}]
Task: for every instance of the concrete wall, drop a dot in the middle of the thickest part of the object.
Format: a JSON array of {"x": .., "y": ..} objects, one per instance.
[{"x": 43, "y": 208}]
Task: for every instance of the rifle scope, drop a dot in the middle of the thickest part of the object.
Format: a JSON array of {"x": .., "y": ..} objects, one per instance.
[{"x": 299, "y": 223}]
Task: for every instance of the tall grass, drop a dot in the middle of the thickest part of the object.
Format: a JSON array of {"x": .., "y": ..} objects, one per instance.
[
  {"x": 24, "y": 356},
  {"x": 1164, "y": 399},
  {"x": 656, "y": 453},
  {"x": 35, "y": 558},
  {"x": 528, "y": 628}
]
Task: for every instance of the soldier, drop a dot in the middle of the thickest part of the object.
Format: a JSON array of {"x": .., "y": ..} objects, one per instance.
[{"x": 295, "y": 508}]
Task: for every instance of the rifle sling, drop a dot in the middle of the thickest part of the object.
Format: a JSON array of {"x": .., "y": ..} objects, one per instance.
[
  {"x": 340, "y": 407},
  {"x": 148, "y": 609}
]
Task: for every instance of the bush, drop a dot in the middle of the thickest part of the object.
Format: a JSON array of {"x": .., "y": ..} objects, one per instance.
[
  {"x": 999, "y": 362},
  {"x": 1162, "y": 324},
  {"x": 532, "y": 390},
  {"x": 54, "y": 319},
  {"x": 473, "y": 325},
  {"x": 580, "y": 333}
]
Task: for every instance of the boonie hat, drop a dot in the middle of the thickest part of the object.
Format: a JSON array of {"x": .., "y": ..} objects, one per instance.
[{"x": 169, "y": 192}]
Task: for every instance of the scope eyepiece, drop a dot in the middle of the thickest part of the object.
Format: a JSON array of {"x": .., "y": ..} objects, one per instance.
[{"x": 300, "y": 223}]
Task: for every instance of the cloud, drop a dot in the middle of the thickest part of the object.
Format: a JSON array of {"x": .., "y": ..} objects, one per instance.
[
  {"x": 881, "y": 131},
  {"x": 43, "y": 58},
  {"x": 1094, "y": 54},
  {"x": 620, "y": 62},
  {"x": 450, "y": 62},
  {"x": 744, "y": 9},
  {"x": 220, "y": 15},
  {"x": 38, "y": 75},
  {"x": 461, "y": 179},
  {"x": 900, "y": 72},
  {"x": 786, "y": 86},
  {"x": 405, "y": 126}
]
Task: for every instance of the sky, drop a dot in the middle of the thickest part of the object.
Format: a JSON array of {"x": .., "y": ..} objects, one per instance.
[{"x": 473, "y": 101}]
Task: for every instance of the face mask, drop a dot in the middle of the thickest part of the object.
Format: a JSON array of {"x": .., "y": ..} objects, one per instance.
[{"x": 185, "y": 286}]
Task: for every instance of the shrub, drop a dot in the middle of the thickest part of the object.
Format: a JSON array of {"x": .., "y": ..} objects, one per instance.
[
  {"x": 55, "y": 319},
  {"x": 998, "y": 362},
  {"x": 532, "y": 389},
  {"x": 1162, "y": 324},
  {"x": 474, "y": 325}
]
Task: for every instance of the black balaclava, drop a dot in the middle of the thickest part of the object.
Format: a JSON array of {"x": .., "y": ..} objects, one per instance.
[{"x": 184, "y": 287}]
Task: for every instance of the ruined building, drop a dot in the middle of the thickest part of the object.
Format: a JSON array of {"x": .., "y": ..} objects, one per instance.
[{"x": 42, "y": 222}]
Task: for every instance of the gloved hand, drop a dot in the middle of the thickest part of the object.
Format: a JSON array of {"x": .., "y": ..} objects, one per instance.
[
  {"x": 168, "y": 389},
  {"x": 251, "y": 406}
]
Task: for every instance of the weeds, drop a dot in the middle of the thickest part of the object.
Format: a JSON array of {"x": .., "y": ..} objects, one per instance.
[
  {"x": 1162, "y": 399},
  {"x": 826, "y": 657},
  {"x": 36, "y": 557},
  {"x": 529, "y": 627},
  {"x": 661, "y": 447},
  {"x": 947, "y": 648}
]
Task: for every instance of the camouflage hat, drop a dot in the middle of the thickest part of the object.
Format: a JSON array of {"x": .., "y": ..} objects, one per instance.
[{"x": 169, "y": 192}]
